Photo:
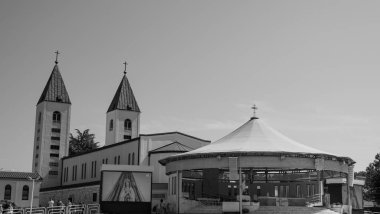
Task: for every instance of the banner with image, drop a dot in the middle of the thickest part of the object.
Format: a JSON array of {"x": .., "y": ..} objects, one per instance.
[{"x": 126, "y": 186}]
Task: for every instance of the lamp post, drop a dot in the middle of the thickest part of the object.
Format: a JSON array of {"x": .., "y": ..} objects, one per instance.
[{"x": 31, "y": 200}]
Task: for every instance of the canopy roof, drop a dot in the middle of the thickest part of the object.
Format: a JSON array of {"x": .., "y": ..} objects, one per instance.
[{"x": 253, "y": 138}]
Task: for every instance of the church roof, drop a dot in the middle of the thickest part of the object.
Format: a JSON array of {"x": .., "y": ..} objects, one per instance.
[
  {"x": 252, "y": 138},
  {"x": 172, "y": 147},
  {"x": 19, "y": 175},
  {"x": 55, "y": 90},
  {"x": 124, "y": 98}
]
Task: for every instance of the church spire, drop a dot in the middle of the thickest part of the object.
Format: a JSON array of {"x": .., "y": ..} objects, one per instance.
[
  {"x": 124, "y": 98},
  {"x": 55, "y": 90}
]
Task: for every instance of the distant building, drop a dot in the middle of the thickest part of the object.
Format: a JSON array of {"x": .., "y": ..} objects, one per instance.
[
  {"x": 17, "y": 187},
  {"x": 77, "y": 178}
]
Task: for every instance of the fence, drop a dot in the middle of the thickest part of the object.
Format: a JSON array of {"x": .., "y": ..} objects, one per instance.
[{"x": 72, "y": 209}]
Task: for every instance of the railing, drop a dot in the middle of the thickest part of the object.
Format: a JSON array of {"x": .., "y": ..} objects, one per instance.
[
  {"x": 209, "y": 202},
  {"x": 72, "y": 209}
]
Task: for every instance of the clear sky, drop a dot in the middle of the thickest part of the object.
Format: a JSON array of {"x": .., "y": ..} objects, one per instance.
[{"x": 311, "y": 67}]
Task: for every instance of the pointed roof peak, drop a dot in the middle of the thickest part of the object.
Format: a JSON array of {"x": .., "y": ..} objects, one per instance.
[
  {"x": 124, "y": 98},
  {"x": 55, "y": 90}
]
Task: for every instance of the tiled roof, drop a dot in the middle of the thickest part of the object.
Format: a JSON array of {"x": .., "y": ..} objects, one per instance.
[
  {"x": 55, "y": 90},
  {"x": 173, "y": 147},
  {"x": 124, "y": 98},
  {"x": 18, "y": 175}
]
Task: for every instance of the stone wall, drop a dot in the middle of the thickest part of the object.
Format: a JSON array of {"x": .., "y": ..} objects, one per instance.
[{"x": 78, "y": 195}]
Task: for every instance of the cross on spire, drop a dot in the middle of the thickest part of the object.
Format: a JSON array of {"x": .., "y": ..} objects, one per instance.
[
  {"x": 125, "y": 67},
  {"x": 56, "y": 57},
  {"x": 254, "y": 110}
]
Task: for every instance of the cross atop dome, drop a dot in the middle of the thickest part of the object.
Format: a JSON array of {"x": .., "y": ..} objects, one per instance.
[
  {"x": 254, "y": 112},
  {"x": 56, "y": 57},
  {"x": 125, "y": 67}
]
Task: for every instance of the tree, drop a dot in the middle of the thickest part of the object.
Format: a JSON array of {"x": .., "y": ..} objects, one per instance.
[
  {"x": 372, "y": 182},
  {"x": 83, "y": 142}
]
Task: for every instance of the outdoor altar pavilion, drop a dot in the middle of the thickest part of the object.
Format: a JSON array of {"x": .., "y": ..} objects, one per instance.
[{"x": 274, "y": 170}]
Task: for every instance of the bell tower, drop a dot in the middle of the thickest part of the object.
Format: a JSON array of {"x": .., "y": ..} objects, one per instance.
[
  {"x": 123, "y": 115},
  {"x": 52, "y": 128}
]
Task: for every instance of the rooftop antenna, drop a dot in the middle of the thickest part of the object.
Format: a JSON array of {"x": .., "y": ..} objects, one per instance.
[
  {"x": 125, "y": 67},
  {"x": 56, "y": 57}
]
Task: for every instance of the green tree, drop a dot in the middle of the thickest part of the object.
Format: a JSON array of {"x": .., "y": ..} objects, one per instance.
[
  {"x": 372, "y": 182},
  {"x": 82, "y": 142}
]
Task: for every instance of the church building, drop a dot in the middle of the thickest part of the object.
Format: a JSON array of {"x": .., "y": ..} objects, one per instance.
[{"x": 77, "y": 178}]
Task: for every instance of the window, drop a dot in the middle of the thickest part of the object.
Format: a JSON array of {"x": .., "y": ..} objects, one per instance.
[
  {"x": 54, "y": 155},
  {"x": 8, "y": 192},
  {"x": 56, "y": 117},
  {"x": 275, "y": 191},
  {"x": 118, "y": 159},
  {"x": 56, "y": 130},
  {"x": 92, "y": 169},
  {"x": 133, "y": 158},
  {"x": 129, "y": 159},
  {"x": 114, "y": 160},
  {"x": 65, "y": 174},
  {"x": 127, "y": 124},
  {"x": 127, "y": 137},
  {"x": 55, "y": 138},
  {"x": 308, "y": 190},
  {"x": 53, "y": 163},
  {"x": 94, "y": 197},
  {"x": 85, "y": 169},
  {"x": 298, "y": 191},
  {"x": 286, "y": 191},
  {"x": 106, "y": 160},
  {"x": 54, "y": 147},
  {"x": 53, "y": 172},
  {"x": 95, "y": 170},
  {"x": 39, "y": 118},
  {"x": 36, "y": 155},
  {"x": 74, "y": 175},
  {"x": 82, "y": 168},
  {"x": 258, "y": 188},
  {"x": 111, "y": 125},
  {"x": 37, "y": 147}
]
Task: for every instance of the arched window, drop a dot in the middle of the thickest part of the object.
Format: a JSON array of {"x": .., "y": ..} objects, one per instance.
[
  {"x": 129, "y": 159},
  {"x": 25, "y": 192},
  {"x": 56, "y": 117},
  {"x": 8, "y": 192},
  {"x": 111, "y": 125},
  {"x": 133, "y": 158},
  {"x": 127, "y": 124}
]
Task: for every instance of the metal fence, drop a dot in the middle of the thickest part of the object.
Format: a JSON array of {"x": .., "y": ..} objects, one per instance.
[{"x": 72, "y": 209}]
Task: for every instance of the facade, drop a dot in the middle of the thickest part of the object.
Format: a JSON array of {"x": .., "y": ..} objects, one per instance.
[
  {"x": 77, "y": 178},
  {"x": 19, "y": 188}
]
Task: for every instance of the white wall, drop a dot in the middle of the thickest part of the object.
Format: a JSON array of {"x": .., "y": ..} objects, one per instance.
[
  {"x": 123, "y": 150},
  {"x": 43, "y": 140},
  {"x": 16, "y": 195},
  {"x": 116, "y": 135}
]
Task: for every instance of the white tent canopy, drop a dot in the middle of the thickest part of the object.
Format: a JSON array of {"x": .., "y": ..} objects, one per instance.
[{"x": 256, "y": 136}]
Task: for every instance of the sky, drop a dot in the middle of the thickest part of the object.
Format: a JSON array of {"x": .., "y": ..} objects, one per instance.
[{"x": 311, "y": 68}]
